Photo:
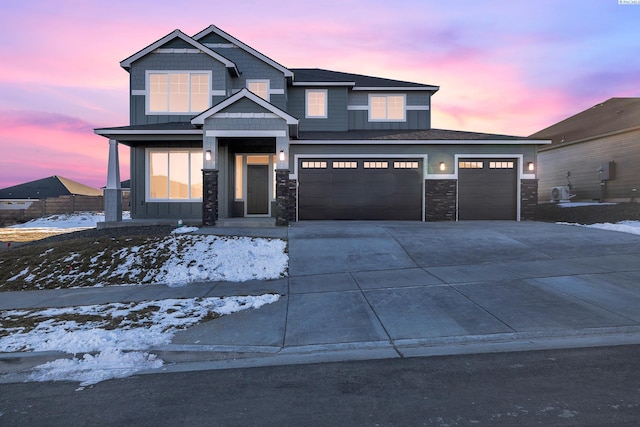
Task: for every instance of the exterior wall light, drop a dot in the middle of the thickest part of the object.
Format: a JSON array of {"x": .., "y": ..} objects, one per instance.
[
  {"x": 442, "y": 166},
  {"x": 281, "y": 156},
  {"x": 207, "y": 155},
  {"x": 531, "y": 167}
]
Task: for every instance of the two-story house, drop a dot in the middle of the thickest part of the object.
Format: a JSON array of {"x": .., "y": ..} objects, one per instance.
[{"x": 219, "y": 130}]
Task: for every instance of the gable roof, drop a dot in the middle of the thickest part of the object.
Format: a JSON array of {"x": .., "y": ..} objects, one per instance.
[
  {"x": 52, "y": 186},
  {"x": 244, "y": 93},
  {"x": 612, "y": 116},
  {"x": 213, "y": 29},
  {"x": 309, "y": 76},
  {"x": 126, "y": 64}
]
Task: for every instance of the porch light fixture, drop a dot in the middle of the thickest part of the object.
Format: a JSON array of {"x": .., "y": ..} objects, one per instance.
[
  {"x": 207, "y": 155},
  {"x": 281, "y": 156},
  {"x": 530, "y": 166},
  {"x": 442, "y": 166}
]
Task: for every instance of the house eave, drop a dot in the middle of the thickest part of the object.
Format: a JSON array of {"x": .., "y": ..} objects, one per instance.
[
  {"x": 397, "y": 88},
  {"x": 415, "y": 142}
]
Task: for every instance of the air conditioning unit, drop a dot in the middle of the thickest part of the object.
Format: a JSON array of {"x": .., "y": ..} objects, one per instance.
[{"x": 561, "y": 193}]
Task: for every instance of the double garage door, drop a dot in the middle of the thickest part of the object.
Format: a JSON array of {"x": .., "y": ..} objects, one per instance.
[
  {"x": 360, "y": 189},
  {"x": 392, "y": 189}
]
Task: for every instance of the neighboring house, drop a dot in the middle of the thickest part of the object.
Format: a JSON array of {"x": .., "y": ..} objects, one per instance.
[
  {"x": 47, "y": 196},
  {"x": 219, "y": 130},
  {"x": 594, "y": 155}
]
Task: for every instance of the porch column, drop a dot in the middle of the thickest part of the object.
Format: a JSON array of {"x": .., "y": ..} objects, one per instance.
[
  {"x": 210, "y": 181},
  {"x": 113, "y": 191},
  {"x": 282, "y": 181}
]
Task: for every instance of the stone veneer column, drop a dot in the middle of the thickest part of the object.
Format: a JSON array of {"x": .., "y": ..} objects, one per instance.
[
  {"x": 282, "y": 197},
  {"x": 209, "y": 197},
  {"x": 528, "y": 199},
  {"x": 440, "y": 195},
  {"x": 293, "y": 200}
]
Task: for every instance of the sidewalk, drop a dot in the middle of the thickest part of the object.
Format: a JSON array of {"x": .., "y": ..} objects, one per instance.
[{"x": 366, "y": 290}]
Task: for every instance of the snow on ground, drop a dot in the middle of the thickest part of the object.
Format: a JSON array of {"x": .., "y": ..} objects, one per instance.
[
  {"x": 118, "y": 332},
  {"x": 112, "y": 339},
  {"x": 578, "y": 204},
  {"x": 631, "y": 227}
]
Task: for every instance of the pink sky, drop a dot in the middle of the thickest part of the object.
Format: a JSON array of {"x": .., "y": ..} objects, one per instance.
[{"x": 506, "y": 67}]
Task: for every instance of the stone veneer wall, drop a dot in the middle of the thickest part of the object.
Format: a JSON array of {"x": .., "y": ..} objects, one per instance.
[
  {"x": 440, "y": 203},
  {"x": 293, "y": 200},
  {"x": 528, "y": 199},
  {"x": 282, "y": 197},
  {"x": 209, "y": 197}
]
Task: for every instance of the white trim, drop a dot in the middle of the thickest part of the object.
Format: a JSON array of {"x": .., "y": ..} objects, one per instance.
[
  {"x": 244, "y": 116},
  {"x": 414, "y": 142},
  {"x": 220, "y": 45},
  {"x": 246, "y": 133},
  {"x": 436, "y": 176},
  {"x": 417, "y": 107},
  {"x": 397, "y": 88},
  {"x": 107, "y": 132},
  {"x": 276, "y": 91},
  {"x": 423, "y": 157},
  {"x": 218, "y": 92},
  {"x": 174, "y": 50},
  {"x": 358, "y": 107},
  {"x": 306, "y": 103},
  {"x": 182, "y": 36},
  {"x": 147, "y": 176},
  {"x": 147, "y": 101},
  {"x": 387, "y": 96},
  {"x": 244, "y": 93},
  {"x": 138, "y": 92},
  {"x": 323, "y": 83},
  {"x": 267, "y": 81},
  {"x": 248, "y": 49}
]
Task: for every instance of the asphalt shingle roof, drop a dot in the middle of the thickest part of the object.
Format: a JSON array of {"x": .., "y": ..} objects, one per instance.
[
  {"x": 311, "y": 75},
  {"x": 53, "y": 186}
]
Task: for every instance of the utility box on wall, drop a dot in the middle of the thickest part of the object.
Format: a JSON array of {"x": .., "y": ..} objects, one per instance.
[{"x": 607, "y": 171}]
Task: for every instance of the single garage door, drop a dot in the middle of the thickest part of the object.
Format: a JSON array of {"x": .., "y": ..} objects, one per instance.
[
  {"x": 360, "y": 189},
  {"x": 487, "y": 189}
]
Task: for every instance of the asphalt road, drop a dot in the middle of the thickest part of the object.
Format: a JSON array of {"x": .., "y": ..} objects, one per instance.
[{"x": 585, "y": 387}]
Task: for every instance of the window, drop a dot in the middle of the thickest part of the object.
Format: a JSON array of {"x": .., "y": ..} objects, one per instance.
[
  {"x": 405, "y": 165},
  {"x": 386, "y": 108},
  {"x": 376, "y": 165},
  {"x": 259, "y": 87},
  {"x": 175, "y": 175},
  {"x": 316, "y": 104},
  {"x": 314, "y": 165},
  {"x": 239, "y": 172},
  {"x": 178, "y": 92},
  {"x": 500, "y": 165},
  {"x": 470, "y": 165},
  {"x": 345, "y": 165}
]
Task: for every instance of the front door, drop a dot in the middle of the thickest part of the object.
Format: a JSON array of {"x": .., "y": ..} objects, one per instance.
[{"x": 257, "y": 189}]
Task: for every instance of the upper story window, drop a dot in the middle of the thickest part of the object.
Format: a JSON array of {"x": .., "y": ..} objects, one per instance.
[
  {"x": 178, "y": 92},
  {"x": 259, "y": 87},
  {"x": 387, "y": 108},
  {"x": 316, "y": 103}
]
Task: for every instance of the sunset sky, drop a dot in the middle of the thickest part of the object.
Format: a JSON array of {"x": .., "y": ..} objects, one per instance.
[{"x": 509, "y": 67}]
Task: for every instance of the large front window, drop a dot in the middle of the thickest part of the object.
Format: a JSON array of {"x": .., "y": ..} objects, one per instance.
[
  {"x": 386, "y": 107},
  {"x": 174, "y": 175},
  {"x": 178, "y": 92}
]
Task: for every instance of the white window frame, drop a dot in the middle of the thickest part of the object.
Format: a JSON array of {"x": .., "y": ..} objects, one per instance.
[
  {"x": 192, "y": 165},
  {"x": 387, "y": 96},
  {"x": 147, "y": 89},
  {"x": 267, "y": 81},
  {"x": 307, "y": 92}
]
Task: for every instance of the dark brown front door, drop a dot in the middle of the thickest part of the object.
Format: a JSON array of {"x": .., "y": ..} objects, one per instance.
[{"x": 257, "y": 189}]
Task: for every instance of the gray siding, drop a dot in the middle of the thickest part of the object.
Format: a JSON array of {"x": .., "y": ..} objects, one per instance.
[
  {"x": 171, "y": 61},
  {"x": 336, "y": 110},
  {"x": 245, "y": 106},
  {"x": 581, "y": 161},
  {"x": 415, "y": 119},
  {"x": 140, "y": 208}
]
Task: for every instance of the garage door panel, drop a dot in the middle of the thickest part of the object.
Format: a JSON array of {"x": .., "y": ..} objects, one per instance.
[
  {"x": 485, "y": 192},
  {"x": 377, "y": 192}
]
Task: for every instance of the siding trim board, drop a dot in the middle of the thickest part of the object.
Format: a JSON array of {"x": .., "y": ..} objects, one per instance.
[{"x": 411, "y": 142}]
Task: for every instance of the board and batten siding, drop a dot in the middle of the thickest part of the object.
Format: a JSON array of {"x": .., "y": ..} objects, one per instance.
[
  {"x": 581, "y": 162},
  {"x": 336, "y": 109}
]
